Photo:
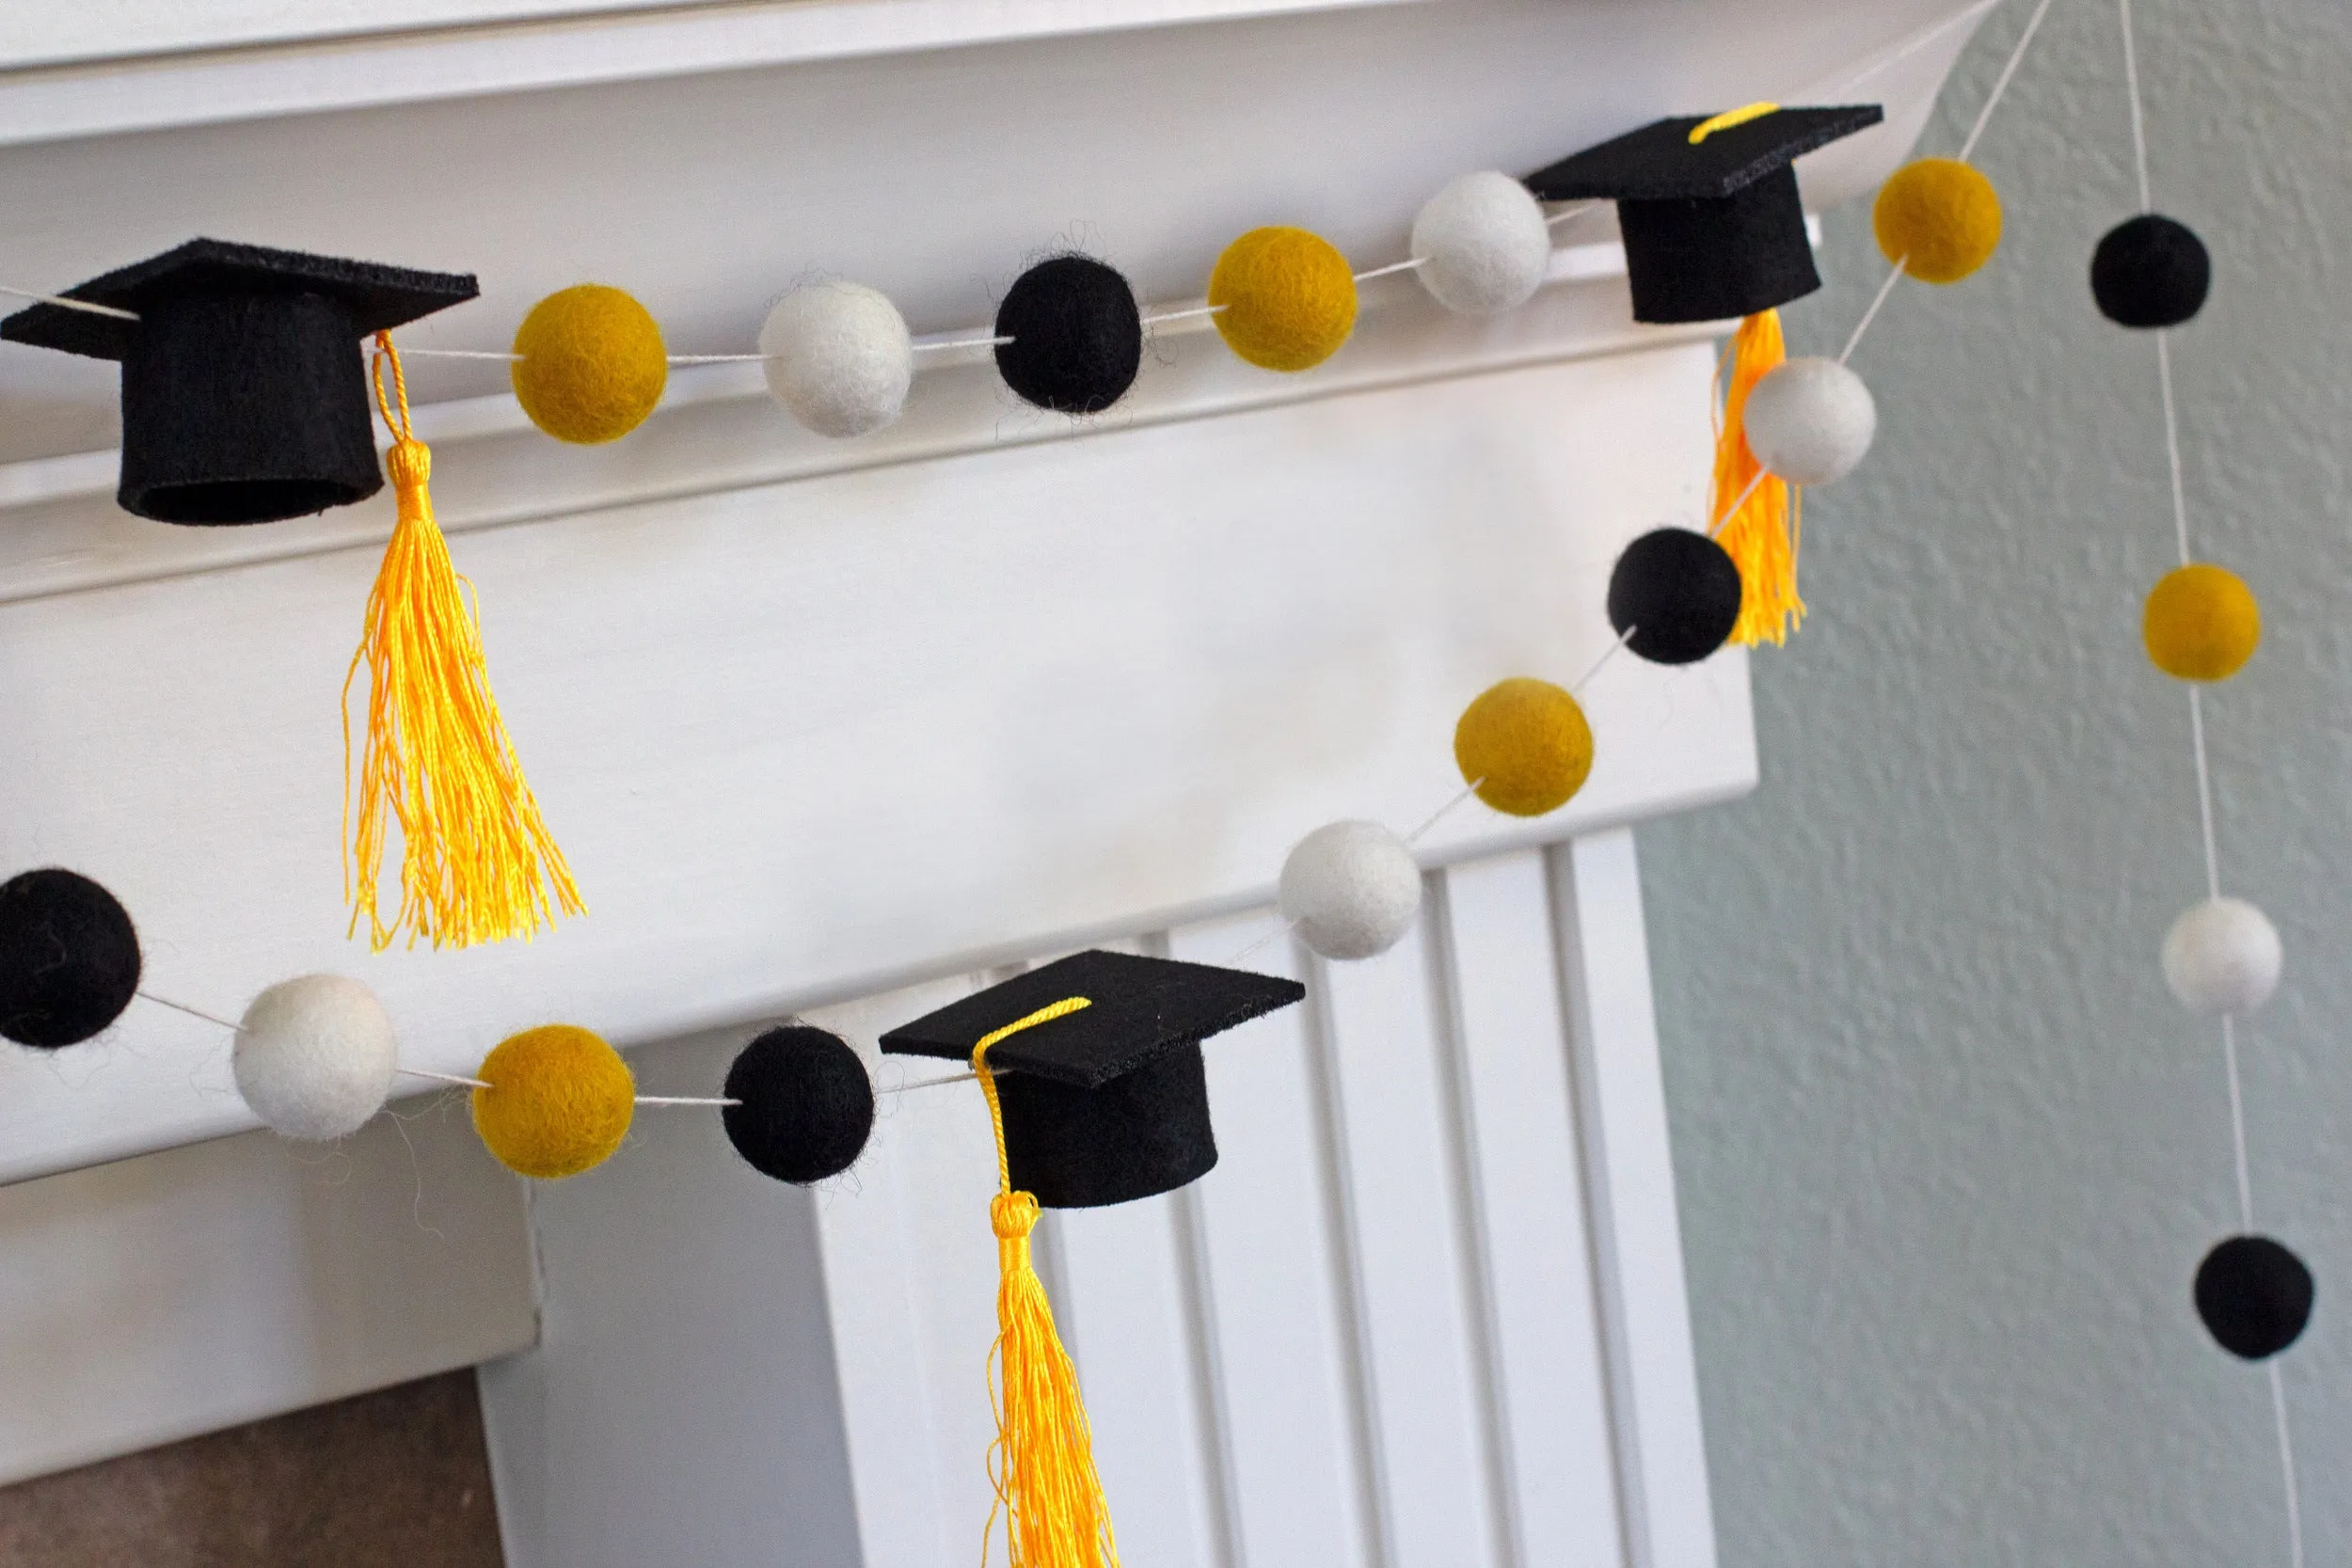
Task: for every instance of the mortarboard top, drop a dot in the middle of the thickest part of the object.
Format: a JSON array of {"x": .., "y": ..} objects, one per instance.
[
  {"x": 1109, "y": 1103},
  {"x": 1714, "y": 229},
  {"x": 245, "y": 394}
]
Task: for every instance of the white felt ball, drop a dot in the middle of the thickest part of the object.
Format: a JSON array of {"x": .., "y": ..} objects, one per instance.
[
  {"x": 1811, "y": 420},
  {"x": 2222, "y": 955},
  {"x": 314, "y": 1057},
  {"x": 838, "y": 357},
  {"x": 1482, "y": 243},
  {"x": 1350, "y": 889}
]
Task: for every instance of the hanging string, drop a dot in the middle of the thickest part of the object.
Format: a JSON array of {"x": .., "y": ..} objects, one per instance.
[
  {"x": 62, "y": 302},
  {"x": 2240, "y": 1164}
]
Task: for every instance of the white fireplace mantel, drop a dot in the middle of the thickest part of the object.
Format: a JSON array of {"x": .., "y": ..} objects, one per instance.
[{"x": 836, "y": 728}]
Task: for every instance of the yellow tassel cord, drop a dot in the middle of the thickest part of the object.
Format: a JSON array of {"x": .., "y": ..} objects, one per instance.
[
  {"x": 1755, "y": 513},
  {"x": 1042, "y": 1461},
  {"x": 477, "y": 863}
]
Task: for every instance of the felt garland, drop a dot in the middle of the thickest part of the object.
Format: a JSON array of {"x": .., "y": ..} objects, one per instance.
[
  {"x": 2222, "y": 956},
  {"x": 315, "y": 1057}
]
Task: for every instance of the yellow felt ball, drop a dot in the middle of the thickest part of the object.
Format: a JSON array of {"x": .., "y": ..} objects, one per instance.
[
  {"x": 559, "y": 1102},
  {"x": 591, "y": 364},
  {"x": 1288, "y": 298},
  {"x": 1939, "y": 218},
  {"x": 2201, "y": 624},
  {"x": 1524, "y": 744}
]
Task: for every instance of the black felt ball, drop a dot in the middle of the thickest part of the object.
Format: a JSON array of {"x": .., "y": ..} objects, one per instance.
[
  {"x": 1077, "y": 336},
  {"x": 69, "y": 958},
  {"x": 806, "y": 1107},
  {"x": 2151, "y": 271},
  {"x": 2254, "y": 1295},
  {"x": 1678, "y": 592}
]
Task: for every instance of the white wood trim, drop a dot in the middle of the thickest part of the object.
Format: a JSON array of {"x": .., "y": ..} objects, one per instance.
[
  {"x": 123, "y": 66},
  {"x": 1630, "y": 1202},
  {"x": 154, "y": 1299}
]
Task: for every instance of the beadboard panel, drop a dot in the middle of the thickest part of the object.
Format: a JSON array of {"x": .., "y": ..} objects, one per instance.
[{"x": 1424, "y": 1313}]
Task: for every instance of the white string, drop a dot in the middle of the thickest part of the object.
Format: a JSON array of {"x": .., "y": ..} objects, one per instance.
[
  {"x": 1441, "y": 813},
  {"x": 2204, "y": 790},
  {"x": 1566, "y": 213},
  {"x": 1183, "y": 315},
  {"x": 935, "y": 345},
  {"x": 930, "y": 1083},
  {"x": 683, "y": 1100},
  {"x": 1622, "y": 638},
  {"x": 2237, "y": 1125},
  {"x": 1733, "y": 510},
  {"x": 2000, "y": 83},
  {"x": 2140, "y": 123},
  {"x": 2286, "y": 1466},
  {"x": 443, "y": 1077},
  {"x": 1955, "y": 20},
  {"x": 2172, "y": 440},
  {"x": 184, "y": 1007},
  {"x": 1394, "y": 267},
  {"x": 1894, "y": 274},
  {"x": 86, "y": 307},
  {"x": 407, "y": 353}
]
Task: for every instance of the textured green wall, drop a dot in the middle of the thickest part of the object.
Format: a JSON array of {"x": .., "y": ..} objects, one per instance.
[{"x": 1948, "y": 1152}]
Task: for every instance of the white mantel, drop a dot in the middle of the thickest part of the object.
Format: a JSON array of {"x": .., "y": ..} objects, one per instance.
[{"x": 816, "y": 721}]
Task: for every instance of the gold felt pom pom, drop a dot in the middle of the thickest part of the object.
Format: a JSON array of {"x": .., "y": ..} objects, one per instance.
[
  {"x": 559, "y": 1101},
  {"x": 1525, "y": 745},
  {"x": 591, "y": 364},
  {"x": 1287, "y": 298},
  {"x": 2202, "y": 622},
  {"x": 1939, "y": 218}
]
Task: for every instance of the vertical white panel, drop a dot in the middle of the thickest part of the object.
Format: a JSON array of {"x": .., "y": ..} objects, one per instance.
[
  {"x": 1551, "y": 1391},
  {"x": 681, "y": 1405},
  {"x": 1414, "y": 1257},
  {"x": 1628, "y": 1171},
  {"x": 1124, "y": 1316},
  {"x": 1279, "y": 1307},
  {"x": 150, "y": 1299},
  {"x": 910, "y": 1278}
]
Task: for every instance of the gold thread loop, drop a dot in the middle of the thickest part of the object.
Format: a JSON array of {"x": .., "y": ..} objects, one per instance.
[{"x": 1730, "y": 117}]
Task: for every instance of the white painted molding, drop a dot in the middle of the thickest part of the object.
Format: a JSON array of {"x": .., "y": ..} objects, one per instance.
[
  {"x": 153, "y": 1299},
  {"x": 119, "y": 66}
]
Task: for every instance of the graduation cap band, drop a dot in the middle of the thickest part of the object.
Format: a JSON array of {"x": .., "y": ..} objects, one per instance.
[
  {"x": 1730, "y": 117},
  {"x": 1062, "y": 1009}
]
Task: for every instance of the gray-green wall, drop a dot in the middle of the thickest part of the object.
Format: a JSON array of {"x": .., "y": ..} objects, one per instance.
[{"x": 1948, "y": 1151}]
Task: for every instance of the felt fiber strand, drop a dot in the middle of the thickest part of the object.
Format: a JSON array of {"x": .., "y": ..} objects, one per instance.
[
  {"x": 1753, "y": 513},
  {"x": 1042, "y": 1461},
  {"x": 477, "y": 863}
]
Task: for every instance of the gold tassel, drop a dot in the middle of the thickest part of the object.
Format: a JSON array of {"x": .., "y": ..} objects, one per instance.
[
  {"x": 1756, "y": 514},
  {"x": 1042, "y": 1461},
  {"x": 477, "y": 863}
]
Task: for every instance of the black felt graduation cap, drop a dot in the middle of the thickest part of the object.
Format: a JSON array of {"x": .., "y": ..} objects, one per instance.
[
  {"x": 245, "y": 397},
  {"x": 1110, "y": 1103},
  {"x": 1714, "y": 225}
]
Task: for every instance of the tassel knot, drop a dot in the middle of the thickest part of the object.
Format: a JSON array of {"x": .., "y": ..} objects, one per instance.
[
  {"x": 1013, "y": 1216},
  {"x": 410, "y": 463}
]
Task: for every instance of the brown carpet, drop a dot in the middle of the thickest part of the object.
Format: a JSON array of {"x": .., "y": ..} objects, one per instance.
[{"x": 396, "y": 1476}]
